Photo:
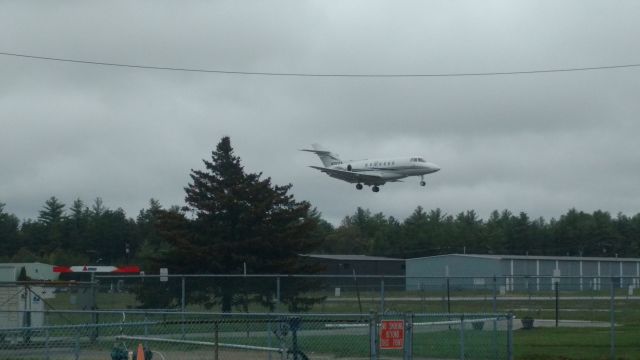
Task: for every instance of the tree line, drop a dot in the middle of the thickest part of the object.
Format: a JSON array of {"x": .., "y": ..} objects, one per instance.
[
  {"x": 433, "y": 232},
  {"x": 81, "y": 234}
]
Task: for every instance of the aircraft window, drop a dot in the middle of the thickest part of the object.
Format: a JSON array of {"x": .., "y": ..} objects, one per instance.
[{"x": 421, "y": 160}]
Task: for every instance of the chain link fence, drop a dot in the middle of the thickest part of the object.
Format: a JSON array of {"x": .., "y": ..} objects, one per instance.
[
  {"x": 198, "y": 335},
  {"x": 561, "y": 316}
]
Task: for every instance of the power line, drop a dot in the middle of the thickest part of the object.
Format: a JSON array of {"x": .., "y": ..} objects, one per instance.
[{"x": 344, "y": 75}]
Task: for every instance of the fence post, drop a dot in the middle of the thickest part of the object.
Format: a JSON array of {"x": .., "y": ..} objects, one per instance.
[
  {"x": 448, "y": 297},
  {"x": 382, "y": 295},
  {"x": 408, "y": 336},
  {"x": 613, "y": 320},
  {"x": 183, "y": 306},
  {"x": 182, "y": 294},
  {"x": 278, "y": 294},
  {"x": 510, "y": 336},
  {"x": 448, "y": 303},
  {"x": 26, "y": 315},
  {"x": 462, "y": 357},
  {"x": 294, "y": 325},
  {"x": 46, "y": 343},
  {"x": 217, "y": 339},
  {"x": 94, "y": 307},
  {"x": 495, "y": 294},
  {"x": 556, "y": 286},
  {"x": 146, "y": 328},
  {"x": 76, "y": 345},
  {"x": 495, "y": 320},
  {"x": 373, "y": 335}
]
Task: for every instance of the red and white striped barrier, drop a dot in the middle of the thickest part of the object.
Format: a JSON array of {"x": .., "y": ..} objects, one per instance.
[{"x": 97, "y": 269}]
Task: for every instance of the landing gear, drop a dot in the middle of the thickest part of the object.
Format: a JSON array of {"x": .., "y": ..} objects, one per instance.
[
  {"x": 359, "y": 186},
  {"x": 422, "y": 183},
  {"x": 375, "y": 189}
]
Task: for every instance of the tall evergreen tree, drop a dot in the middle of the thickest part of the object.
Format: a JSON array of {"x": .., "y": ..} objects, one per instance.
[
  {"x": 240, "y": 220},
  {"x": 52, "y": 212},
  {"x": 77, "y": 228},
  {"x": 51, "y": 217}
]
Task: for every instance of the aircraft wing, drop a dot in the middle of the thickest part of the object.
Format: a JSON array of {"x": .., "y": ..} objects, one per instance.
[{"x": 352, "y": 177}]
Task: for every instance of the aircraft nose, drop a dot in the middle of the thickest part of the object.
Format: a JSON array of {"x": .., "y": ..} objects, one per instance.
[{"x": 434, "y": 167}]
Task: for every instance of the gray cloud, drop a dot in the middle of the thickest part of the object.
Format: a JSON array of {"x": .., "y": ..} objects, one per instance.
[{"x": 536, "y": 143}]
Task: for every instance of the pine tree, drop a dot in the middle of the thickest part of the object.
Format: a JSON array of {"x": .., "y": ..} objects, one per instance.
[
  {"x": 239, "y": 219},
  {"x": 53, "y": 211},
  {"x": 51, "y": 217}
]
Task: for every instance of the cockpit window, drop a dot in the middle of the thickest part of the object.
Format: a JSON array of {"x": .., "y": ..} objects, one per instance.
[{"x": 421, "y": 160}]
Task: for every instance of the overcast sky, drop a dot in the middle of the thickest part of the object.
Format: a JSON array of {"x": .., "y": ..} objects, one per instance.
[{"x": 540, "y": 143}]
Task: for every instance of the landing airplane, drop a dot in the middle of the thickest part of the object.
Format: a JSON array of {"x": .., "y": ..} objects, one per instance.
[{"x": 372, "y": 172}]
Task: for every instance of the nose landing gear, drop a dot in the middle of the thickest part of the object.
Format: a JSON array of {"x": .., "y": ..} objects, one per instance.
[{"x": 422, "y": 183}]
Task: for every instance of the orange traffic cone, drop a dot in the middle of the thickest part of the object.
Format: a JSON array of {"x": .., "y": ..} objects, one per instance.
[{"x": 140, "y": 355}]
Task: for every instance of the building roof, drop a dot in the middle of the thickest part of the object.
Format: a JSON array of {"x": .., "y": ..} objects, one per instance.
[
  {"x": 23, "y": 264},
  {"x": 535, "y": 257},
  {"x": 351, "y": 257}
]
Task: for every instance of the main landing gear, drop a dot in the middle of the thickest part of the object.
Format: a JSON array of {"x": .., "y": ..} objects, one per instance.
[{"x": 374, "y": 188}]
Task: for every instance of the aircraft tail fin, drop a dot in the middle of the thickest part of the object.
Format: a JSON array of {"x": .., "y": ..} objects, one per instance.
[{"x": 327, "y": 157}]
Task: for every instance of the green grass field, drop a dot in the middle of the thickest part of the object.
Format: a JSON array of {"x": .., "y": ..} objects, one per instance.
[{"x": 565, "y": 343}]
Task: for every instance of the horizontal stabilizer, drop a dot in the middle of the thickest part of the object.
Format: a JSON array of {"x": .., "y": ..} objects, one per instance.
[{"x": 319, "y": 152}]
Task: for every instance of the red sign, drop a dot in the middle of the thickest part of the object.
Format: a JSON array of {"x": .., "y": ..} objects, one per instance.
[{"x": 391, "y": 334}]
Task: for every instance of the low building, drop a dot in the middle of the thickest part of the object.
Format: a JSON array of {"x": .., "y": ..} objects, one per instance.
[
  {"x": 10, "y": 272},
  {"x": 523, "y": 273},
  {"x": 23, "y": 288}
]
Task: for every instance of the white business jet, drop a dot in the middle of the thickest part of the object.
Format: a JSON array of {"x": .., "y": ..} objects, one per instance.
[{"x": 372, "y": 172}]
